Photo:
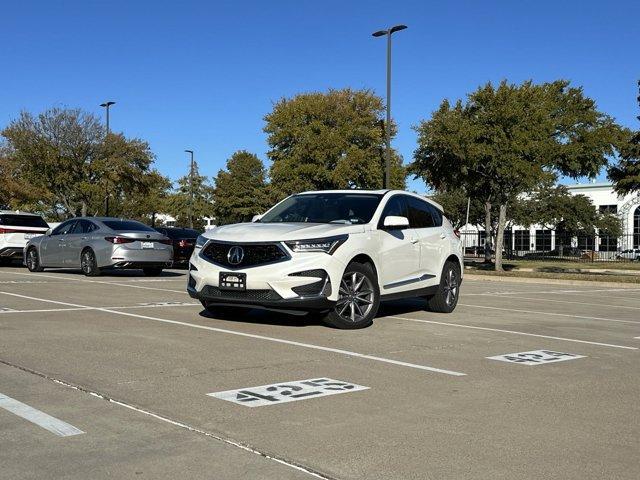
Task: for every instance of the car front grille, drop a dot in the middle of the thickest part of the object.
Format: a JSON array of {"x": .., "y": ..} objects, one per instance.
[
  {"x": 255, "y": 254},
  {"x": 256, "y": 295}
]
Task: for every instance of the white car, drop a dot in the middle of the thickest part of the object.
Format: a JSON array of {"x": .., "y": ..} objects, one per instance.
[
  {"x": 338, "y": 253},
  {"x": 629, "y": 254},
  {"x": 16, "y": 229}
]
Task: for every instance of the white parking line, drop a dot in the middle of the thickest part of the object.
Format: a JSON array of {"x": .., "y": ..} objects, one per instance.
[
  {"x": 60, "y": 428},
  {"x": 513, "y": 332},
  {"x": 574, "y": 303},
  {"x": 85, "y": 280},
  {"x": 117, "y": 307},
  {"x": 251, "y": 335},
  {"x": 555, "y": 292},
  {"x": 548, "y": 313}
]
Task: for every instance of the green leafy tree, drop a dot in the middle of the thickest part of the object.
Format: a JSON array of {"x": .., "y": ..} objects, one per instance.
[
  {"x": 240, "y": 190},
  {"x": 507, "y": 140},
  {"x": 192, "y": 200},
  {"x": 626, "y": 174},
  {"x": 62, "y": 164},
  {"x": 329, "y": 140},
  {"x": 147, "y": 199}
]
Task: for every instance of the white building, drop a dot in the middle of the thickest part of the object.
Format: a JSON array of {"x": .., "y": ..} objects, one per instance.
[{"x": 534, "y": 238}]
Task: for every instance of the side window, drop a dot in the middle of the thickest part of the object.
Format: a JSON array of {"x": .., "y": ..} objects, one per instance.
[
  {"x": 437, "y": 215},
  {"x": 64, "y": 228},
  {"x": 77, "y": 228},
  {"x": 396, "y": 206},
  {"x": 88, "y": 227},
  {"x": 419, "y": 213}
]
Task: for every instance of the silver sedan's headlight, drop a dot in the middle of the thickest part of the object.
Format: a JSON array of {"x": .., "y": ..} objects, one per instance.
[
  {"x": 325, "y": 245},
  {"x": 200, "y": 241}
]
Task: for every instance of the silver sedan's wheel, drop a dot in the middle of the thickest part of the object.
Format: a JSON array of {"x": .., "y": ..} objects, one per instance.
[
  {"x": 88, "y": 263},
  {"x": 33, "y": 261},
  {"x": 358, "y": 298}
]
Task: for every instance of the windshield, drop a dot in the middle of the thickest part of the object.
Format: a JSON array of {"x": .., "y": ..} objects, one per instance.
[
  {"x": 127, "y": 225},
  {"x": 347, "y": 208}
]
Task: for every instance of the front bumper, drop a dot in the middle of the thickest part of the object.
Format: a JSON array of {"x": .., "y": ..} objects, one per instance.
[{"x": 292, "y": 285}]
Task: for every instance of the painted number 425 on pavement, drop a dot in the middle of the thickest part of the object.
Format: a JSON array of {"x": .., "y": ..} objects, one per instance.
[{"x": 536, "y": 357}]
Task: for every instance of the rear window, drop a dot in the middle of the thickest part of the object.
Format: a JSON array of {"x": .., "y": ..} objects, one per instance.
[
  {"x": 127, "y": 225},
  {"x": 23, "y": 221},
  {"x": 176, "y": 233}
]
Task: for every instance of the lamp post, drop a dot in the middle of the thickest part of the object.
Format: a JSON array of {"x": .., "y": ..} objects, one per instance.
[
  {"x": 190, "y": 189},
  {"x": 106, "y": 105},
  {"x": 388, "y": 33}
]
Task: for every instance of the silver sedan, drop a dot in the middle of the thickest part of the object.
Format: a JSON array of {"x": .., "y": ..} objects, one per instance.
[{"x": 97, "y": 243}]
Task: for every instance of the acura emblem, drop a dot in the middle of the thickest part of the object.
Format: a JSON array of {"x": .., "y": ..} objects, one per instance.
[{"x": 235, "y": 255}]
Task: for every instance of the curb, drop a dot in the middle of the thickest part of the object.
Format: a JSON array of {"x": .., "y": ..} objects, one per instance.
[{"x": 556, "y": 281}]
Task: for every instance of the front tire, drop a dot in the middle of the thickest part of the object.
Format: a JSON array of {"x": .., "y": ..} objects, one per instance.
[
  {"x": 358, "y": 299},
  {"x": 446, "y": 298},
  {"x": 33, "y": 260},
  {"x": 88, "y": 263}
]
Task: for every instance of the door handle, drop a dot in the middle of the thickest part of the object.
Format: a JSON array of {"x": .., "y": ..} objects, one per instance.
[
  {"x": 415, "y": 240},
  {"x": 84, "y": 238},
  {"x": 442, "y": 235}
]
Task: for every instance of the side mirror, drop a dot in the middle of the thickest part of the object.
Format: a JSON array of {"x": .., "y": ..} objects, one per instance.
[
  {"x": 256, "y": 218},
  {"x": 48, "y": 232},
  {"x": 394, "y": 222}
]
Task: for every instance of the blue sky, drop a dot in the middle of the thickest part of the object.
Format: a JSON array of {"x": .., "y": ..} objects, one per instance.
[{"x": 202, "y": 74}]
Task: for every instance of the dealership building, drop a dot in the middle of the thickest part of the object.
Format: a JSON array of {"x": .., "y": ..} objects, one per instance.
[{"x": 535, "y": 238}]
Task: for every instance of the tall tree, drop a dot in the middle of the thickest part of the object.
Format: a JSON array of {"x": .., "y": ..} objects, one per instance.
[
  {"x": 191, "y": 200},
  {"x": 240, "y": 190},
  {"x": 626, "y": 174},
  {"x": 329, "y": 140},
  {"x": 68, "y": 161},
  {"x": 507, "y": 140}
]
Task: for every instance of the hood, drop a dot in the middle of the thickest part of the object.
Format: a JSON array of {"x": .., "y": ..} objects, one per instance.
[{"x": 278, "y": 232}]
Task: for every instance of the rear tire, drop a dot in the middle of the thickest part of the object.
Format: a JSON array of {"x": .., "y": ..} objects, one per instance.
[
  {"x": 33, "y": 260},
  {"x": 446, "y": 298},
  {"x": 152, "y": 271},
  {"x": 88, "y": 263},
  {"x": 358, "y": 300}
]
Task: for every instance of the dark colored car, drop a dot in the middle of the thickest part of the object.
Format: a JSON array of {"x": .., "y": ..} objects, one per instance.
[{"x": 184, "y": 241}]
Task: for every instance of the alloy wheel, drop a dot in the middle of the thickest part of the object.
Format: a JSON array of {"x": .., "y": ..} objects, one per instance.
[
  {"x": 86, "y": 262},
  {"x": 450, "y": 287},
  {"x": 32, "y": 260},
  {"x": 356, "y": 296}
]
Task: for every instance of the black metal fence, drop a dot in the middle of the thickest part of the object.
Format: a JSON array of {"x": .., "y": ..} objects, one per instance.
[{"x": 550, "y": 245}]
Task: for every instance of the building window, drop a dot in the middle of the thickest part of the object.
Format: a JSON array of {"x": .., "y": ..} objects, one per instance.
[
  {"x": 586, "y": 243},
  {"x": 521, "y": 238},
  {"x": 608, "y": 244},
  {"x": 608, "y": 209},
  {"x": 636, "y": 228},
  {"x": 543, "y": 240}
]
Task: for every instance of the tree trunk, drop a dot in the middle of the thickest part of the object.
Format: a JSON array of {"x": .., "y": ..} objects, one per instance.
[
  {"x": 487, "y": 232},
  {"x": 502, "y": 220},
  {"x": 83, "y": 212}
]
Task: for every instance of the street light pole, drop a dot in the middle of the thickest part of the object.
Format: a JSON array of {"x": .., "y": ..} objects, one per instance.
[
  {"x": 388, "y": 33},
  {"x": 106, "y": 105},
  {"x": 190, "y": 189}
]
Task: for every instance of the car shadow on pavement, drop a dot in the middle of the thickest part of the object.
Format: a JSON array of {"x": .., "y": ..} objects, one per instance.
[{"x": 265, "y": 317}]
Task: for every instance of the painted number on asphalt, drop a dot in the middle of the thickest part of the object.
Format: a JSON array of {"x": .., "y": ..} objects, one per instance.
[
  {"x": 287, "y": 392},
  {"x": 536, "y": 357}
]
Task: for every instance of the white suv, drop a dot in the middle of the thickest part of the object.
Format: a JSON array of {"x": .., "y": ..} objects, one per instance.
[
  {"x": 337, "y": 252},
  {"x": 16, "y": 229}
]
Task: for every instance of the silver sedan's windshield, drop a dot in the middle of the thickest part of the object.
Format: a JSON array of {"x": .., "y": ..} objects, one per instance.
[{"x": 347, "y": 208}]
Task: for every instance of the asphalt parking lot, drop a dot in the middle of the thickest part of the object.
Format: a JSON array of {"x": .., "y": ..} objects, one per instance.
[{"x": 122, "y": 366}]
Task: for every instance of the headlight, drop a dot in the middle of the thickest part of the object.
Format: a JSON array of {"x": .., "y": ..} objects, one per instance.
[
  {"x": 326, "y": 245},
  {"x": 200, "y": 241}
]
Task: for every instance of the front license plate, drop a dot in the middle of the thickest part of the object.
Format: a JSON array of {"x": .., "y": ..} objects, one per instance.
[
  {"x": 147, "y": 244},
  {"x": 232, "y": 281},
  {"x": 29, "y": 236}
]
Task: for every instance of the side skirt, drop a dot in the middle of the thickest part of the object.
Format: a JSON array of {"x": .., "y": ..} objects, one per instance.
[{"x": 419, "y": 292}]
